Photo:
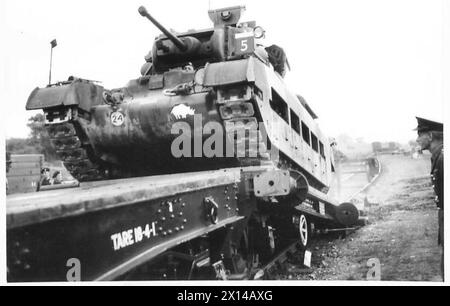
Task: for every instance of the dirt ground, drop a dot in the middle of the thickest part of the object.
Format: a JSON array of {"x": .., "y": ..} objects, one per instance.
[{"x": 401, "y": 234}]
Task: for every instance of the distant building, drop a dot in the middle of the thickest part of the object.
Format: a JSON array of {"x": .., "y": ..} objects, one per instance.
[{"x": 386, "y": 147}]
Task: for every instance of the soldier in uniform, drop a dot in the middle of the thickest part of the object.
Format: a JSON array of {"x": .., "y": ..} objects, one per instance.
[
  {"x": 57, "y": 178},
  {"x": 430, "y": 137},
  {"x": 8, "y": 166},
  {"x": 45, "y": 177},
  {"x": 278, "y": 59},
  {"x": 8, "y": 161}
]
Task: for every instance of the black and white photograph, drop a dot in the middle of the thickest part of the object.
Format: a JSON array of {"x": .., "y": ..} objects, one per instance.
[{"x": 224, "y": 142}]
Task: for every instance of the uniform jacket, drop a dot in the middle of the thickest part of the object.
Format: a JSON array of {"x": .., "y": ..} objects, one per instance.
[{"x": 437, "y": 174}]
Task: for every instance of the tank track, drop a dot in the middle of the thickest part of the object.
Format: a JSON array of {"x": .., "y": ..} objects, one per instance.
[
  {"x": 66, "y": 138},
  {"x": 248, "y": 145},
  {"x": 79, "y": 160},
  {"x": 253, "y": 158}
]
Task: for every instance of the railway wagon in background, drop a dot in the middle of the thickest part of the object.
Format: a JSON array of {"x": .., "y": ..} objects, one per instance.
[{"x": 24, "y": 173}]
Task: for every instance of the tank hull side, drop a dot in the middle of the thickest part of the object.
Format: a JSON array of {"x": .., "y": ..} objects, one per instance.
[{"x": 152, "y": 123}]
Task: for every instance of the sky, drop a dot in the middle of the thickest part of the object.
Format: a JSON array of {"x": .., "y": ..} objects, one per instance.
[{"x": 366, "y": 67}]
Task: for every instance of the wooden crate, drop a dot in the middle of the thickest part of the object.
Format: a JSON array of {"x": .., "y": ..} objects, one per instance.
[
  {"x": 26, "y": 158},
  {"x": 19, "y": 184},
  {"x": 24, "y": 171}
]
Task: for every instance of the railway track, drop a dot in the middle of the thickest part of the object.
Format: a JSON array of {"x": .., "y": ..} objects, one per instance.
[{"x": 269, "y": 269}]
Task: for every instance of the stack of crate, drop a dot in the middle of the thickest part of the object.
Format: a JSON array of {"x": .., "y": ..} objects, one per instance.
[{"x": 25, "y": 173}]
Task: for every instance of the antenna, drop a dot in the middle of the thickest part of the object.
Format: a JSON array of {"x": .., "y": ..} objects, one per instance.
[{"x": 53, "y": 44}]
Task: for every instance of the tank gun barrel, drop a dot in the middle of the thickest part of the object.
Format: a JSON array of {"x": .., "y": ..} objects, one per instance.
[{"x": 177, "y": 42}]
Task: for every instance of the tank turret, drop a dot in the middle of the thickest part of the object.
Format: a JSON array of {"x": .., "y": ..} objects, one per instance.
[{"x": 227, "y": 40}]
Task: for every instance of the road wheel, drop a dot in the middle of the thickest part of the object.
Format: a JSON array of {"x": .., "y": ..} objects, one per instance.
[
  {"x": 347, "y": 214},
  {"x": 304, "y": 230}
]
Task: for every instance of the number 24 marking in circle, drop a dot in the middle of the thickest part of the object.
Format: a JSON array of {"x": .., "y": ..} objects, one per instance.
[{"x": 117, "y": 118}]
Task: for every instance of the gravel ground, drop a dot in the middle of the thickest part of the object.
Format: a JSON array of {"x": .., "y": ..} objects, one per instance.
[{"x": 401, "y": 235}]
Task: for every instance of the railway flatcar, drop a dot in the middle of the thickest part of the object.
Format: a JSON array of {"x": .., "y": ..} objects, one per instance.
[{"x": 206, "y": 162}]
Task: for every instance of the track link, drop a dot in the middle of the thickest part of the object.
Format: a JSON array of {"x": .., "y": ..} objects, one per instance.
[{"x": 66, "y": 139}]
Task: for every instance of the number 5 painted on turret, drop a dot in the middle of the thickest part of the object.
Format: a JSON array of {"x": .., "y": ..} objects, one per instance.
[{"x": 244, "y": 43}]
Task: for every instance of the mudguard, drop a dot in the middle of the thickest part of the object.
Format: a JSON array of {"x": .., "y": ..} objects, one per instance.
[
  {"x": 83, "y": 93},
  {"x": 227, "y": 73}
]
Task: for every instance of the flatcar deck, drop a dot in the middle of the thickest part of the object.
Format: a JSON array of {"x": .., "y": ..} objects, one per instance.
[
  {"x": 28, "y": 208},
  {"x": 111, "y": 227}
]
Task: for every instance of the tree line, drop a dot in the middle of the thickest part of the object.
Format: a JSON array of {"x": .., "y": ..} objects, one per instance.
[{"x": 37, "y": 142}]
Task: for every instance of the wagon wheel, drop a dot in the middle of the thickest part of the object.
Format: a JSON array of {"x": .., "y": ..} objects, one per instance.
[{"x": 304, "y": 230}]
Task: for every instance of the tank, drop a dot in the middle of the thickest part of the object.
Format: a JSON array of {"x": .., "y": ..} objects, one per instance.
[{"x": 204, "y": 100}]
